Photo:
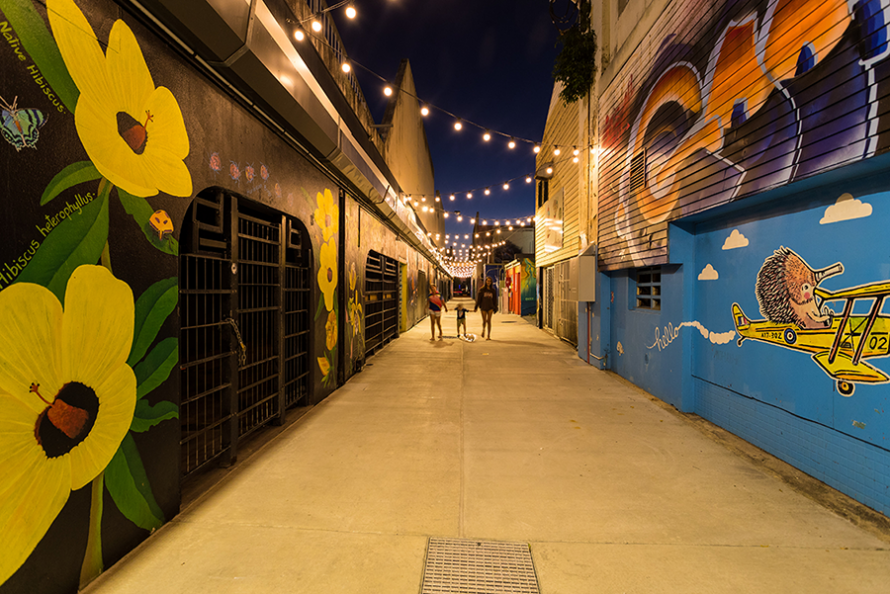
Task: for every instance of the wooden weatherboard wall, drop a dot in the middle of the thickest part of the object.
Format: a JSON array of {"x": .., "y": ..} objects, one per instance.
[
  {"x": 723, "y": 100},
  {"x": 565, "y": 127}
]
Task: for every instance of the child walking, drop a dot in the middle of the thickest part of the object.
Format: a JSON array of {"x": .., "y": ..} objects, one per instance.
[{"x": 461, "y": 320}]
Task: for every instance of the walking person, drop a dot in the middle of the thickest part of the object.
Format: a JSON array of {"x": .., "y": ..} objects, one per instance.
[
  {"x": 461, "y": 320},
  {"x": 436, "y": 307},
  {"x": 487, "y": 301}
]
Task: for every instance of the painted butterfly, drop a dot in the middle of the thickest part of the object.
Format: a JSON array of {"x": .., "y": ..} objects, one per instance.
[{"x": 20, "y": 127}]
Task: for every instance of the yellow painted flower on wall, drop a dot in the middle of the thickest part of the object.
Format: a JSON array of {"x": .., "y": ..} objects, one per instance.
[
  {"x": 327, "y": 215},
  {"x": 67, "y": 398},
  {"x": 327, "y": 273},
  {"x": 352, "y": 277},
  {"x": 132, "y": 132},
  {"x": 324, "y": 366},
  {"x": 330, "y": 331}
]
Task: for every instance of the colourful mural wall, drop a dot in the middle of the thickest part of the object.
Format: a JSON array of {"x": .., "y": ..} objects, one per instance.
[
  {"x": 528, "y": 286},
  {"x": 112, "y": 136},
  {"x": 722, "y": 100}
]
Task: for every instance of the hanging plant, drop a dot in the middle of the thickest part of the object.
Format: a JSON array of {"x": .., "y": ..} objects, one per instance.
[{"x": 575, "y": 64}]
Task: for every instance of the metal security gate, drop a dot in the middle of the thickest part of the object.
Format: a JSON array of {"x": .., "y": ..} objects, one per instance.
[
  {"x": 381, "y": 301},
  {"x": 548, "y": 298},
  {"x": 566, "y": 300},
  {"x": 244, "y": 340}
]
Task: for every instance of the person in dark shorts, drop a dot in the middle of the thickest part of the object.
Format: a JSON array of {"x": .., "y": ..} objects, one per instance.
[
  {"x": 436, "y": 307},
  {"x": 461, "y": 320},
  {"x": 487, "y": 301}
]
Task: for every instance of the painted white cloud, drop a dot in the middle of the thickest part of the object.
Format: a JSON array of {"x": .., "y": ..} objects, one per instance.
[
  {"x": 735, "y": 240},
  {"x": 708, "y": 273},
  {"x": 844, "y": 209}
]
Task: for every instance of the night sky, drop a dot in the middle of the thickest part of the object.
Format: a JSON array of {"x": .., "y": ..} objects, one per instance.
[{"x": 487, "y": 61}]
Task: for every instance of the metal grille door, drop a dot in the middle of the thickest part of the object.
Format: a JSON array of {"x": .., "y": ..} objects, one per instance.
[
  {"x": 205, "y": 352},
  {"x": 259, "y": 312},
  {"x": 566, "y": 288},
  {"x": 245, "y": 334},
  {"x": 296, "y": 318},
  {"x": 381, "y": 301}
]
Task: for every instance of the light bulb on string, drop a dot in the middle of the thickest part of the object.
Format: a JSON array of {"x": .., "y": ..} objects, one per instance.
[
  {"x": 506, "y": 186},
  {"x": 473, "y": 221},
  {"x": 512, "y": 143},
  {"x": 316, "y": 25},
  {"x": 537, "y": 148},
  {"x": 549, "y": 170},
  {"x": 424, "y": 110},
  {"x": 576, "y": 152},
  {"x": 485, "y": 222},
  {"x": 438, "y": 199},
  {"x": 350, "y": 11},
  {"x": 575, "y": 159},
  {"x": 459, "y": 218},
  {"x": 458, "y": 125},
  {"x": 469, "y": 195},
  {"x": 556, "y": 150},
  {"x": 487, "y": 136},
  {"x": 299, "y": 35},
  {"x": 346, "y": 67},
  {"x": 446, "y": 215},
  {"x": 487, "y": 192},
  {"x": 387, "y": 90},
  {"x": 451, "y": 197},
  {"x": 528, "y": 179}
]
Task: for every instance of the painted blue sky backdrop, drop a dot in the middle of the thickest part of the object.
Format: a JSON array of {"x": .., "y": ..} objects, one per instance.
[{"x": 489, "y": 62}]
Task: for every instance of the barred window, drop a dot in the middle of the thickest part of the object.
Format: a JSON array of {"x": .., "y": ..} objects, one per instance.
[{"x": 649, "y": 288}]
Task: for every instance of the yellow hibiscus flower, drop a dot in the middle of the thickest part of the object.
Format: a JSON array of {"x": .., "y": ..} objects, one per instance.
[
  {"x": 330, "y": 330},
  {"x": 133, "y": 132},
  {"x": 67, "y": 398},
  {"x": 324, "y": 366},
  {"x": 327, "y": 273},
  {"x": 327, "y": 215}
]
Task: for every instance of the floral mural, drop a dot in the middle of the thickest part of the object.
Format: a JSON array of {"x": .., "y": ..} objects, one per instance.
[
  {"x": 79, "y": 354},
  {"x": 327, "y": 218}
]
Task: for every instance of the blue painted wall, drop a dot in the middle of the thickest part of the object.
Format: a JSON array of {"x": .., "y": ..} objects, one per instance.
[{"x": 775, "y": 397}]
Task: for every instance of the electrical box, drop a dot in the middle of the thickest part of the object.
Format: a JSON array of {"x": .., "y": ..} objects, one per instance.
[{"x": 587, "y": 274}]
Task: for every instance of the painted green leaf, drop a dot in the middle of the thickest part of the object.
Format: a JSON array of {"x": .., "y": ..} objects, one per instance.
[
  {"x": 128, "y": 485},
  {"x": 156, "y": 367},
  {"x": 147, "y": 416},
  {"x": 152, "y": 309},
  {"x": 37, "y": 41},
  {"x": 141, "y": 211},
  {"x": 77, "y": 240},
  {"x": 74, "y": 174}
]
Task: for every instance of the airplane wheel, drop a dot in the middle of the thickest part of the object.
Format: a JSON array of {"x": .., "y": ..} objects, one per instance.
[{"x": 845, "y": 388}]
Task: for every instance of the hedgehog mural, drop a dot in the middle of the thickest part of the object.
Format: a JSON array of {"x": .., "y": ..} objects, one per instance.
[{"x": 786, "y": 290}]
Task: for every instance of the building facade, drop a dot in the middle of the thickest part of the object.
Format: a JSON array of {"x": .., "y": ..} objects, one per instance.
[
  {"x": 740, "y": 161},
  {"x": 205, "y": 233}
]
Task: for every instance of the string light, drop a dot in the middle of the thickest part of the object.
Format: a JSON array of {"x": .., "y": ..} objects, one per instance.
[
  {"x": 528, "y": 179},
  {"x": 299, "y": 35},
  {"x": 537, "y": 149},
  {"x": 316, "y": 25},
  {"x": 487, "y": 192},
  {"x": 512, "y": 143},
  {"x": 487, "y": 136},
  {"x": 506, "y": 186},
  {"x": 556, "y": 151},
  {"x": 350, "y": 11},
  {"x": 451, "y": 197},
  {"x": 424, "y": 111},
  {"x": 387, "y": 90},
  {"x": 469, "y": 195},
  {"x": 458, "y": 125},
  {"x": 346, "y": 67}
]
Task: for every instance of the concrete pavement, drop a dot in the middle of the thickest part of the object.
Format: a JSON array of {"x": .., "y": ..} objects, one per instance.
[{"x": 510, "y": 439}]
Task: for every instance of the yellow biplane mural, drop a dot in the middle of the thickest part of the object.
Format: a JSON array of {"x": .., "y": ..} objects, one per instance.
[{"x": 799, "y": 318}]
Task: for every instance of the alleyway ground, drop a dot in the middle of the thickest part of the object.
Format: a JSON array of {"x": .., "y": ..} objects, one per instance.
[{"x": 514, "y": 439}]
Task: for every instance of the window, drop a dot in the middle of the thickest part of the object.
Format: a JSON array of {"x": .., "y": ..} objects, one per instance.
[
  {"x": 649, "y": 288},
  {"x": 543, "y": 191}
]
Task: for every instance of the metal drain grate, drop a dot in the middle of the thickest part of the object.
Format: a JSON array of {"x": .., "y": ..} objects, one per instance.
[{"x": 459, "y": 566}]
